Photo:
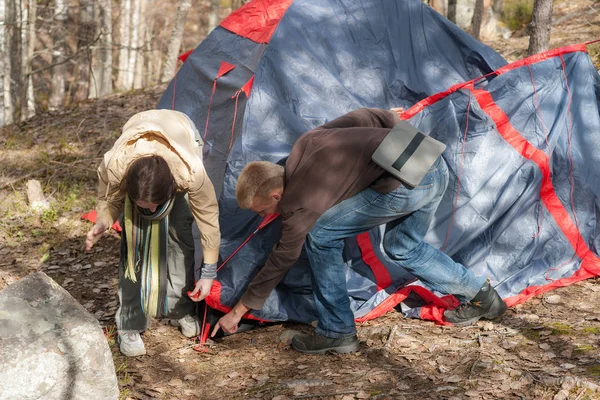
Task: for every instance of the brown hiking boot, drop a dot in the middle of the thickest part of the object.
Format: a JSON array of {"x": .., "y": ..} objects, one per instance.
[
  {"x": 486, "y": 304},
  {"x": 319, "y": 344}
]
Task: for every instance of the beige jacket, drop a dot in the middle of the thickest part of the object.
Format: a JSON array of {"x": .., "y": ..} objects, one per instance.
[{"x": 171, "y": 135}]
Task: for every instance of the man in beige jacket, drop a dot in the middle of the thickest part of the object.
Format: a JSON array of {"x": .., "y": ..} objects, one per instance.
[{"x": 153, "y": 176}]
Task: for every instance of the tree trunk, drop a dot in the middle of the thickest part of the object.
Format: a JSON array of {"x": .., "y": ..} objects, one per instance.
[
  {"x": 124, "y": 35},
  {"x": 213, "y": 15},
  {"x": 30, "y": 96},
  {"x": 175, "y": 41},
  {"x": 59, "y": 69},
  {"x": 150, "y": 73},
  {"x": 5, "y": 102},
  {"x": 140, "y": 48},
  {"x": 483, "y": 25},
  {"x": 497, "y": 7},
  {"x": 133, "y": 44},
  {"x": 86, "y": 33},
  {"x": 541, "y": 23},
  {"x": 101, "y": 77},
  {"x": 14, "y": 53},
  {"x": 477, "y": 19},
  {"x": 452, "y": 10}
]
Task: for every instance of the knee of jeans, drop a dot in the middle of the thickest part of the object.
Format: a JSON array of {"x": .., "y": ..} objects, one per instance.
[
  {"x": 320, "y": 241},
  {"x": 403, "y": 254}
]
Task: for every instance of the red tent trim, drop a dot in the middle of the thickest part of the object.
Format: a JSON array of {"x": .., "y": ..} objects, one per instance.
[
  {"x": 382, "y": 276},
  {"x": 93, "y": 215},
  {"x": 257, "y": 19},
  {"x": 421, "y": 105}
]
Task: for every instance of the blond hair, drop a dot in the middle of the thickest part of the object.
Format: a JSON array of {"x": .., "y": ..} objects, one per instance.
[{"x": 257, "y": 179}]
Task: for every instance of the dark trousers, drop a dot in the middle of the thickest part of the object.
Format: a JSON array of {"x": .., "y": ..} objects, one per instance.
[{"x": 174, "y": 282}]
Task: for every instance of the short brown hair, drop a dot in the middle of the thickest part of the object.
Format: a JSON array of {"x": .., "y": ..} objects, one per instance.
[
  {"x": 150, "y": 179},
  {"x": 258, "y": 178}
]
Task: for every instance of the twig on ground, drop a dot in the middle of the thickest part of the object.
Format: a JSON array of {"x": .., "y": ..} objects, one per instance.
[
  {"x": 388, "y": 342},
  {"x": 329, "y": 394},
  {"x": 20, "y": 178}
]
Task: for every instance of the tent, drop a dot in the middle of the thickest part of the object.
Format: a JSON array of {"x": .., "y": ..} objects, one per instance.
[{"x": 521, "y": 204}]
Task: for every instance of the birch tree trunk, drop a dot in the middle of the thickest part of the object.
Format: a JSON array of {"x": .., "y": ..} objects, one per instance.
[
  {"x": 213, "y": 16},
  {"x": 5, "y": 112},
  {"x": 28, "y": 17},
  {"x": 175, "y": 40},
  {"x": 101, "y": 76},
  {"x": 32, "y": 41},
  {"x": 541, "y": 23},
  {"x": 59, "y": 69},
  {"x": 150, "y": 72},
  {"x": 124, "y": 35},
  {"x": 133, "y": 44},
  {"x": 140, "y": 47}
]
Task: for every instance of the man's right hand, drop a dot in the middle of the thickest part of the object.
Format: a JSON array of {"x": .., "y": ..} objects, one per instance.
[{"x": 95, "y": 233}]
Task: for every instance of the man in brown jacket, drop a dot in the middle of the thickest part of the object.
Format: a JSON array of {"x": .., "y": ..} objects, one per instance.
[
  {"x": 154, "y": 176},
  {"x": 330, "y": 189}
]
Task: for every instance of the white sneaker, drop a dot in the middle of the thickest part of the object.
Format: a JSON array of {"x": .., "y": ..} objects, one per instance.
[
  {"x": 131, "y": 344},
  {"x": 189, "y": 325}
]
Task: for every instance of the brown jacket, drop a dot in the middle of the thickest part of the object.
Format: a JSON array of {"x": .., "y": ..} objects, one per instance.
[
  {"x": 326, "y": 166},
  {"x": 171, "y": 135}
]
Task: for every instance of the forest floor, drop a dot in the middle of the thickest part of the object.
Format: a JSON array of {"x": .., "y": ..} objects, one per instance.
[{"x": 546, "y": 348}]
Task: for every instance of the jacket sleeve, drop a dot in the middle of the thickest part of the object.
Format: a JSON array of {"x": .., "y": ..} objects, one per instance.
[
  {"x": 110, "y": 198},
  {"x": 284, "y": 255},
  {"x": 365, "y": 117},
  {"x": 203, "y": 203}
]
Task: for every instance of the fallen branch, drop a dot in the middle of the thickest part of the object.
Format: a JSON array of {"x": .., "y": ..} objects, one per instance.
[{"x": 330, "y": 394}]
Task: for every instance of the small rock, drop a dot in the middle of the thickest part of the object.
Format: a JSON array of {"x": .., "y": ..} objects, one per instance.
[
  {"x": 190, "y": 378},
  {"x": 562, "y": 395},
  {"x": 176, "y": 382},
  {"x": 554, "y": 299},
  {"x": 453, "y": 379}
]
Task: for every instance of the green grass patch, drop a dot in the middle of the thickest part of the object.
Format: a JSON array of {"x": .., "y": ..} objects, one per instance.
[
  {"x": 584, "y": 348},
  {"x": 594, "y": 370},
  {"x": 590, "y": 330},
  {"x": 561, "y": 329},
  {"x": 531, "y": 334},
  {"x": 516, "y": 14}
]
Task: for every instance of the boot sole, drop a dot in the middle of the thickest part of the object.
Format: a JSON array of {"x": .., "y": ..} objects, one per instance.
[
  {"x": 351, "y": 348},
  {"x": 474, "y": 320}
]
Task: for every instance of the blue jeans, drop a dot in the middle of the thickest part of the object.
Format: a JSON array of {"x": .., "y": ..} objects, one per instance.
[{"x": 407, "y": 214}]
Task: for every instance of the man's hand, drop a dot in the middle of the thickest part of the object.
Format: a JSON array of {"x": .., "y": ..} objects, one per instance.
[
  {"x": 95, "y": 233},
  {"x": 229, "y": 322},
  {"x": 398, "y": 110},
  {"x": 201, "y": 290}
]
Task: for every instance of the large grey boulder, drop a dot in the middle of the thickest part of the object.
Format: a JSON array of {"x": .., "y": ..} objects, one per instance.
[{"x": 50, "y": 346}]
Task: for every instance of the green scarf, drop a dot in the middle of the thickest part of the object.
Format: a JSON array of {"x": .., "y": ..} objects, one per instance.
[{"x": 147, "y": 238}]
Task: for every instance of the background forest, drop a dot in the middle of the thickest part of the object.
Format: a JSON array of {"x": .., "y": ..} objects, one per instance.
[{"x": 57, "y": 52}]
